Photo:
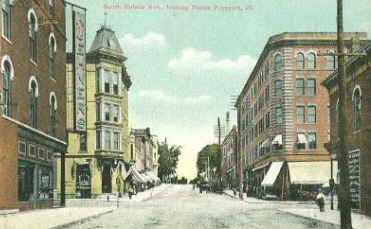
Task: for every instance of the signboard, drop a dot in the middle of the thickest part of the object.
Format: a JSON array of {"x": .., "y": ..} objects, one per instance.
[
  {"x": 79, "y": 49},
  {"x": 354, "y": 180}
]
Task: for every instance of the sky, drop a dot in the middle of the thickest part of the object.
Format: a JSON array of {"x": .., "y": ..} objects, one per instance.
[{"x": 188, "y": 60}]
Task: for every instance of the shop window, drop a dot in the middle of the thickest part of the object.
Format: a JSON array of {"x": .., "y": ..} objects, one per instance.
[
  {"x": 312, "y": 140},
  {"x": 32, "y": 32},
  {"x": 25, "y": 180},
  {"x": 311, "y": 86},
  {"x": 300, "y": 114},
  {"x": 311, "y": 61},
  {"x": 300, "y": 61},
  {"x": 45, "y": 183},
  {"x": 312, "y": 114},
  {"x": 22, "y": 147},
  {"x": 300, "y": 86},
  {"x": 278, "y": 63},
  {"x": 7, "y": 21},
  {"x": 49, "y": 155},
  {"x": 7, "y": 89},
  {"x": 357, "y": 109}
]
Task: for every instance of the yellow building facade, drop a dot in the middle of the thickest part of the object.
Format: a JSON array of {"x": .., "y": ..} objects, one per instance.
[{"x": 99, "y": 157}]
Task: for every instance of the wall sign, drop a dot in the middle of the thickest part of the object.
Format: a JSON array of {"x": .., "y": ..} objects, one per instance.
[
  {"x": 79, "y": 48},
  {"x": 354, "y": 179}
]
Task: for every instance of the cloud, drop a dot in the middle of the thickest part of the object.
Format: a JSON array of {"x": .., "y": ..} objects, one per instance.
[
  {"x": 193, "y": 60},
  {"x": 366, "y": 27},
  {"x": 150, "y": 42},
  {"x": 160, "y": 96}
]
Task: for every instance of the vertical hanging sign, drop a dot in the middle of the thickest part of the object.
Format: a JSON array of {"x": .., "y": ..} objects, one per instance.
[{"x": 79, "y": 49}]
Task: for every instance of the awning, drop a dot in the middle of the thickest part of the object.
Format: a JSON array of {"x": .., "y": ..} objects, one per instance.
[
  {"x": 125, "y": 173},
  {"x": 302, "y": 139},
  {"x": 277, "y": 139},
  {"x": 272, "y": 173},
  {"x": 267, "y": 143},
  {"x": 317, "y": 172},
  {"x": 137, "y": 177}
]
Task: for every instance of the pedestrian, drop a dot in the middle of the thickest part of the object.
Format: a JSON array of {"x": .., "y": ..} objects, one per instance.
[{"x": 320, "y": 200}]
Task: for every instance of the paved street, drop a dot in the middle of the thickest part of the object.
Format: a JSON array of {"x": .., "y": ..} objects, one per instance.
[{"x": 180, "y": 206}]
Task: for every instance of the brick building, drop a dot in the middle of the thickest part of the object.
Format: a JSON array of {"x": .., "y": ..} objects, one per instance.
[
  {"x": 283, "y": 114},
  {"x": 229, "y": 159},
  {"x": 32, "y": 92},
  {"x": 358, "y": 97}
]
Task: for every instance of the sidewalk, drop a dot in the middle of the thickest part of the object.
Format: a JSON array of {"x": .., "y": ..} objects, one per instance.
[
  {"x": 76, "y": 210},
  {"x": 330, "y": 216}
]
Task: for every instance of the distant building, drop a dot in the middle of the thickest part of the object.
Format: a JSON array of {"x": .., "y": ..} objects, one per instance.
[
  {"x": 283, "y": 114},
  {"x": 100, "y": 153},
  {"x": 229, "y": 159},
  {"x": 358, "y": 97},
  {"x": 146, "y": 145},
  {"x": 32, "y": 101}
]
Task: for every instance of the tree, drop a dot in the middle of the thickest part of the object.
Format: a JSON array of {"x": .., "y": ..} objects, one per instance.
[
  {"x": 168, "y": 160},
  {"x": 213, "y": 153}
]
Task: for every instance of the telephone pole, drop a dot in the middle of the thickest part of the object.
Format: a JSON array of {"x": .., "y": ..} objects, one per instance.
[{"x": 344, "y": 196}]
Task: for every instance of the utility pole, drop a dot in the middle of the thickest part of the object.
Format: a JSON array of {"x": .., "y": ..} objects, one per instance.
[{"x": 344, "y": 197}]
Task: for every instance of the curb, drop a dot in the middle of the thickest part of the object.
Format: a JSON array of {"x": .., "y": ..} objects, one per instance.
[
  {"x": 307, "y": 217},
  {"x": 81, "y": 220}
]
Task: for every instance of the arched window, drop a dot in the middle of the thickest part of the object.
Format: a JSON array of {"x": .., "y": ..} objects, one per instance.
[
  {"x": 300, "y": 61},
  {"x": 53, "y": 110},
  {"x": 32, "y": 32},
  {"x": 51, "y": 8},
  {"x": 357, "y": 109},
  {"x": 7, "y": 88},
  {"x": 6, "y": 19},
  {"x": 278, "y": 62},
  {"x": 311, "y": 61},
  {"x": 33, "y": 91},
  {"x": 331, "y": 62},
  {"x": 52, "y": 55}
]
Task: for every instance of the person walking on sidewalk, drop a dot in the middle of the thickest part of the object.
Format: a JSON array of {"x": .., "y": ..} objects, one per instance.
[{"x": 320, "y": 200}]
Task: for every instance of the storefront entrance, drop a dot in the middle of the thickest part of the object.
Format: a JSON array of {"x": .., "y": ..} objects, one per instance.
[
  {"x": 83, "y": 181},
  {"x": 106, "y": 179}
]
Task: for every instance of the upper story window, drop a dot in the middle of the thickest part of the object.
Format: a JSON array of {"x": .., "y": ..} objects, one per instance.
[
  {"x": 51, "y": 8},
  {"x": 311, "y": 86},
  {"x": 311, "y": 61},
  {"x": 312, "y": 114},
  {"x": 110, "y": 82},
  {"x": 278, "y": 63},
  {"x": 116, "y": 141},
  {"x": 52, "y": 56},
  {"x": 357, "y": 109},
  {"x": 312, "y": 140},
  {"x": 83, "y": 143},
  {"x": 33, "y": 95},
  {"x": 110, "y": 112},
  {"x": 107, "y": 112},
  {"x": 278, "y": 88},
  {"x": 300, "y": 114},
  {"x": 7, "y": 74},
  {"x": 300, "y": 61},
  {"x": 331, "y": 62},
  {"x": 32, "y": 33},
  {"x": 116, "y": 113},
  {"x": 107, "y": 140},
  {"x": 53, "y": 111},
  {"x": 300, "y": 86},
  {"x": 6, "y": 19},
  {"x": 279, "y": 114}
]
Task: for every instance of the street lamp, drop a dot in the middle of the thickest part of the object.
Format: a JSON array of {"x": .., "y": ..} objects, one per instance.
[{"x": 330, "y": 148}]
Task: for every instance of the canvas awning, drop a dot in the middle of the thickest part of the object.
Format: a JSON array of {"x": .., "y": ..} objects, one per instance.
[
  {"x": 272, "y": 173},
  {"x": 277, "y": 139},
  {"x": 302, "y": 139},
  {"x": 316, "y": 172},
  {"x": 137, "y": 177},
  {"x": 260, "y": 167}
]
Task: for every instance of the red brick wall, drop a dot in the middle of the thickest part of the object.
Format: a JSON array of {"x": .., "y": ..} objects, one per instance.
[{"x": 8, "y": 165}]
